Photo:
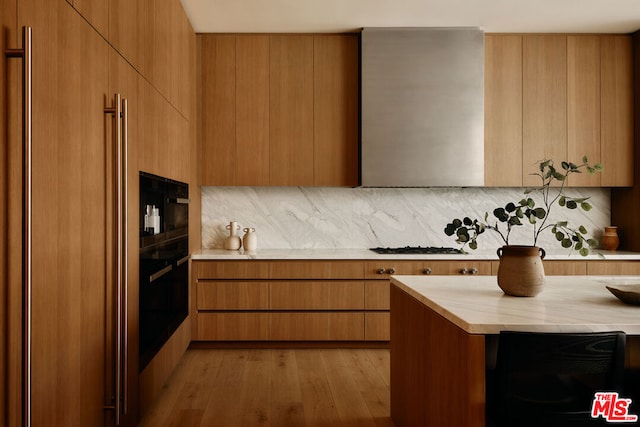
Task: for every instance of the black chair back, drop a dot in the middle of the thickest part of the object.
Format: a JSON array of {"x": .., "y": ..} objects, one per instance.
[{"x": 550, "y": 379}]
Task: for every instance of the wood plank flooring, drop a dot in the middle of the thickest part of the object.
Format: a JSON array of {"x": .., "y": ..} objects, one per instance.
[{"x": 276, "y": 387}]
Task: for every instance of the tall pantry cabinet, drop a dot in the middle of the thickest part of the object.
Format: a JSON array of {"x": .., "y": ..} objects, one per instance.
[{"x": 81, "y": 369}]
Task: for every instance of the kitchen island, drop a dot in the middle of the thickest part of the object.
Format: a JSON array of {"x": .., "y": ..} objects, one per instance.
[{"x": 444, "y": 335}]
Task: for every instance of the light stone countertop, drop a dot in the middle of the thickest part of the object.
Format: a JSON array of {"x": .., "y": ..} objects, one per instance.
[
  {"x": 567, "y": 304},
  {"x": 365, "y": 254}
]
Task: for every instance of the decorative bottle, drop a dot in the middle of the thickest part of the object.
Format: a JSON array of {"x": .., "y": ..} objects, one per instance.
[
  {"x": 233, "y": 242},
  {"x": 610, "y": 240},
  {"x": 250, "y": 240}
]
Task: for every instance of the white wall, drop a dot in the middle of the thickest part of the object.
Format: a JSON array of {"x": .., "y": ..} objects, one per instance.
[{"x": 324, "y": 218}]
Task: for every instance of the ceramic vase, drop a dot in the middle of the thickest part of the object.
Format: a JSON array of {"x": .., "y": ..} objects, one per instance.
[
  {"x": 233, "y": 242},
  {"x": 520, "y": 272},
  {"x": 610, "y": 239},
  {"x": 250, "y": 240}
]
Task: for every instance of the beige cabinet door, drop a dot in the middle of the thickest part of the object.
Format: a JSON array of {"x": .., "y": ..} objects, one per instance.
[
  {"x": 608, "y": 268},
  {"x": 616, "y": 114},
  {"x": 503, "y": 111},
  {"x": 96, "y": 12},
  {"x": 124, "y": 28},
  {"x": 252, "y": 110},
  {"x": 72, "y": 255},
  {"x": 11, "y": 248},
  {"x": 218, "y": 99},
  {"x": 335, "y": 110},
  {"x": 544, "y": 102},
  {"x": 583, "y": 105},
  {"x": 562, "y": 268},
  {"x": 291, "y": 110}
]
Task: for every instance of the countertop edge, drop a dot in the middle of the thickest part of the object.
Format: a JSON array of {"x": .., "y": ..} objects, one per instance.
[
  {"x": 569, "y": 324},
  {"x": 366, "y": 255}
]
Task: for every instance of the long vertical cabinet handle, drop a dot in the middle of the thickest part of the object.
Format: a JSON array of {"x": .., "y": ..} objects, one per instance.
[
  {"x": 121, "y": 360},
  {"x": 125, "y": 251},
  {"x": 27, "y": 196}
]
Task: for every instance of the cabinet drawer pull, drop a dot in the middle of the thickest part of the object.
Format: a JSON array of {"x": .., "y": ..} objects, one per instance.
[
  {"x": 155, "y": 276},
  {"x": 179, "y": 201},
  {"x": 381, "y": 271},
  {"x": 427, "y": 270},
  {"x": 182, "y": 261}
]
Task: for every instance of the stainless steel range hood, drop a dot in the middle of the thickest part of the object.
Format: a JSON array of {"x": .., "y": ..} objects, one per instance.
[{"x": 422, "y": 101}]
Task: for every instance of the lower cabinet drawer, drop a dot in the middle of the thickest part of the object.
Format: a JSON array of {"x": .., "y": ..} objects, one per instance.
[
  {"x": 233, "y": 326},
  {"x": 240, "y": 295},
  {"x": 607, "y": 268},
  {"x": 317, "y": 295},
  {"x": 377, "y": 326},
  {"x": 376, "y": 294},
  {"x": 312, "y": 326}
]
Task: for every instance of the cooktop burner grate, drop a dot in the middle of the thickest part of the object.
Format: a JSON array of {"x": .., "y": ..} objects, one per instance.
[{"x": 417, "y": 250}]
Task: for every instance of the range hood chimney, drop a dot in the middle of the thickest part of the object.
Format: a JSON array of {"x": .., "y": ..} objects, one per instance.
[{"x": 422, "y": 103}]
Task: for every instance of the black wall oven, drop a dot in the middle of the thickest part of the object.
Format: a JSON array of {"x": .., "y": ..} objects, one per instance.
[{"x": 164, "y": 266}]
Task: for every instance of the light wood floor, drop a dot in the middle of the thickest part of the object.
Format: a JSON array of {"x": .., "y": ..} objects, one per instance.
[{"x": 276, "y": 387}]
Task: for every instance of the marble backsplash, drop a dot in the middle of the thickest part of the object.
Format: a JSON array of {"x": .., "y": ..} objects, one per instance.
[{"x": 325, "y": 218}]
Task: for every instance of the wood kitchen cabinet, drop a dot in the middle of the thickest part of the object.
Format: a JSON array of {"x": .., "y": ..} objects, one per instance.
[
  {"x": 377, "y": 286},
  {"x": 600, "y": 107},
  {"x": 75, "y": 75},
  {"x": 10, "y": 232},
  {"x": 155, "y": 37},
  {"x": 559, "y": 96},
  {"x": 380, "y": 269},
  {"x": 278, "y": 300},
  {"x": 335, "y": 123},
  {"x": 72, "y": 256},
  {"x": 561, "y": 268},
  {"x": 279, "y": 109},
  {"x": 616, "y": 113},
  {"x": 503, "y": 110},
  {"x": 544, "y": 97},
  {"x": 252, "y": 113},
  {"x": 70, "y": 205},
  {"x": 607, "y": 268},
  {"x": 325, "y": 300},
  {"x": 291, "y": 110},
  {"x": 583, "y": 104}
]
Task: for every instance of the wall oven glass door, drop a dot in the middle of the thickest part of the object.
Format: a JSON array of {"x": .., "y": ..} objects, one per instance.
[
  {"x": 164, "y": 297},
  {"x": 164, "y": 266}
]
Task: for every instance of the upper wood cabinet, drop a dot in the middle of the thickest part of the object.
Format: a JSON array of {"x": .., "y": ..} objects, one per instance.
[
  {"x": 217, "y": 128},
  {"x": 279, "y": 109},
  {"x": 616, "y": 110},
  {"x": 155, "y": 36},
  {"x": 503, "y": 110},
  {"x": 335, "y": 129},
  {"x": 252, "y": 110},
  {"x": 558, "y": 97},
  {"x": 544, "y": 109},
  {"x": 583, "y": 105},
  {"x": 96, "y": 12},
  {"x": 291, "y": 110}
]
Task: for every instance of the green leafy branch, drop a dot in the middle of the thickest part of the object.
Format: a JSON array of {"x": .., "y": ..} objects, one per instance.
[{"x": 516, "y": 214}]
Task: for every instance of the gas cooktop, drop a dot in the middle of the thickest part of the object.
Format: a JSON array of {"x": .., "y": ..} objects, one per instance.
[{"x": 416, "y": 250}]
